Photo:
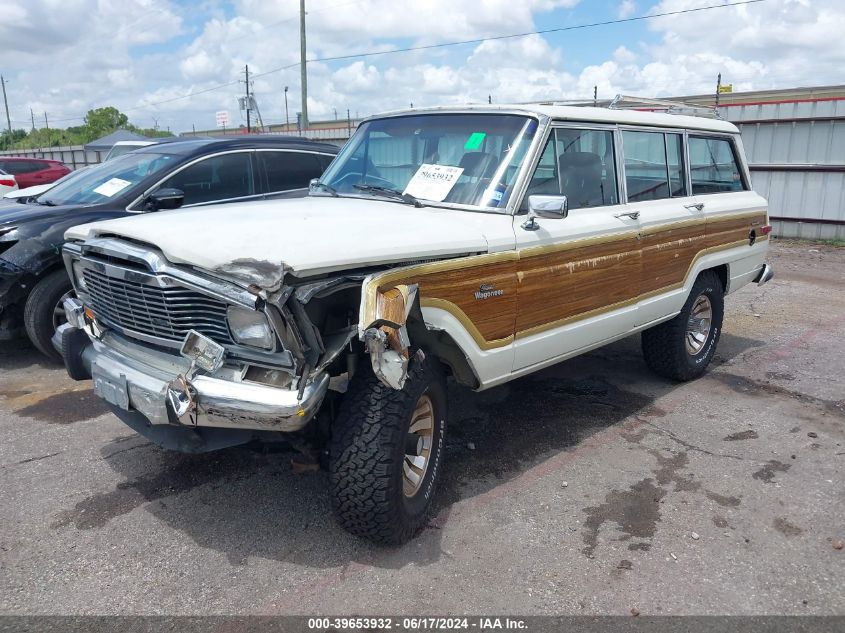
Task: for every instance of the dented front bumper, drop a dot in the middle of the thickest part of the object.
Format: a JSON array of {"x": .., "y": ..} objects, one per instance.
[{"x": 134, "y": 380}]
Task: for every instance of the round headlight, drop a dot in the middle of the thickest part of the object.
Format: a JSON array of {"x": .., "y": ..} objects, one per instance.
[
  {"x": 79, "y": 277},
  {"x": 250, "y": 327}
]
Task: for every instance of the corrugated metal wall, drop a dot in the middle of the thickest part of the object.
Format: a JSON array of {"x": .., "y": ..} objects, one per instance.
[
  {"x": 796, "y": 151},
  {"x": 74, "y": 156}
]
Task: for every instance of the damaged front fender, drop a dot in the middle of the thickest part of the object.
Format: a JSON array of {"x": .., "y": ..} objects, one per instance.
[{"x": 384, "y": 332}]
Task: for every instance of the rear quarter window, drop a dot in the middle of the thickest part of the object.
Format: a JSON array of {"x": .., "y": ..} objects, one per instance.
[{"x": 714, "y": 167}]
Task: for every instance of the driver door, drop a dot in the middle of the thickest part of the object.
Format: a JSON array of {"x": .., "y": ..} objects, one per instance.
[{"x": 578, "y": 275}]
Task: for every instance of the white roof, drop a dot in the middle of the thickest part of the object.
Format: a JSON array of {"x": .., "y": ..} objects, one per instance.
[{"x": 590, "y": 114}]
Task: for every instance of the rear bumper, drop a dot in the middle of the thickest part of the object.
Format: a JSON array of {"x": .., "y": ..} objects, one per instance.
[
  {"x": 134, "y": 380},
  {"x": 766, "y": 274}
]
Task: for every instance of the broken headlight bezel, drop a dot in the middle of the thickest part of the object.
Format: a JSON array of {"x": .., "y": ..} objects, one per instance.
[
  {"x": 250, "y": 327},
  {"x": 79, "y": 277}
]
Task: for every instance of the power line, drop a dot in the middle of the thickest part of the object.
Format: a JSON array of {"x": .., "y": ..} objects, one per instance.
[
  {"x": 539, "y": 32},
  {"x": 441, "y": 45}
]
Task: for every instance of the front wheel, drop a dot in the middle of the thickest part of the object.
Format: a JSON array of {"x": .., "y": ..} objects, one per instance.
[
  {"x": 683, "y": 347},
  {"x": 44, "y": 311},
  {"x": 386, "y": 453}
]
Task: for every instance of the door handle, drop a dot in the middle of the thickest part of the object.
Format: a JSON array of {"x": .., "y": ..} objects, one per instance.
[
  {"x": 698, "y": 206},
  {"x": 629, "y": 214}
]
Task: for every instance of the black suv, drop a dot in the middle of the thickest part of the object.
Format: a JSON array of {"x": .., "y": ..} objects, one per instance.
[{"x": 185, "y": 173}]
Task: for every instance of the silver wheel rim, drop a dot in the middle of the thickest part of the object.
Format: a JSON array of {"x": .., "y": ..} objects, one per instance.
[
  {"x": 698, "y": 325},
  {"x": 418, "y": 446},
  {"x": 59, "y": 315}
]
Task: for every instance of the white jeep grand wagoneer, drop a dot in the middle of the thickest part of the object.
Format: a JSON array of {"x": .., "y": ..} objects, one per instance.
[{"x": 481, "y": 243}]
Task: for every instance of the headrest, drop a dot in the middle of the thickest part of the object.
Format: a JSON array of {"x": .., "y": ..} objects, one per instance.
[
  {"x": 475, "y": 163},
  {"x": 579, "y": 160}
]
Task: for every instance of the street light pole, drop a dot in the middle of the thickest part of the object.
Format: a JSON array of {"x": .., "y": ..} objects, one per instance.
[
  {"x": 287, "y": 119},
  {"x": 303, "y": 72},
  {"x": 6, "y": 103}
]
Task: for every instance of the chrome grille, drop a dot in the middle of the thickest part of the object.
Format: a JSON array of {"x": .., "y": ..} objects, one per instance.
[{"x": 167, "y": 313}]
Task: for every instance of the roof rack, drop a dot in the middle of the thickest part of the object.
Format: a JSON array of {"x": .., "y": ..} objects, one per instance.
[{"x": 625, "y": 102}]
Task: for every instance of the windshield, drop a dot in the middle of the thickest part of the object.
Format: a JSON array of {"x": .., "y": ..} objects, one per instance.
[
  {"x": 470, "y": 159},
  {"x": 107, "y": 180},
  {"x": 120, "y": 150}
]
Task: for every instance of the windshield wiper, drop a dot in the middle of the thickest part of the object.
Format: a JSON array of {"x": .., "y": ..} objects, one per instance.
[
  {"x": 327, "y": 188},
  {"x": 393, "y": 193}
]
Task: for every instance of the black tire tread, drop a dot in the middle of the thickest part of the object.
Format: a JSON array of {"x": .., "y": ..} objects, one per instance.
[
  {"x": 38, "y": 311},
  {"x": 363, "y": 448},
  {"x": 660, "y": 344}
]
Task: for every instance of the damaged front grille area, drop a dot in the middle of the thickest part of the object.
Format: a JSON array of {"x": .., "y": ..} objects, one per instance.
[{"x": 162, "y": 312}]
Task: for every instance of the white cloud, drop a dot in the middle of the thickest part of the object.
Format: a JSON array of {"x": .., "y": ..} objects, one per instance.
[
  {"x": 87, "y": 54},
  {"x": 626, "y": 9}
]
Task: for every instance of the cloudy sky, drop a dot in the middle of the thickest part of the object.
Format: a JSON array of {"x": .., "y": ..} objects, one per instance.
[{"x": 145, "y": 57}]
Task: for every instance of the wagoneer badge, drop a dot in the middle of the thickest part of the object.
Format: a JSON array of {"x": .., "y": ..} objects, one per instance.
[{"x": 485, "y": 291}]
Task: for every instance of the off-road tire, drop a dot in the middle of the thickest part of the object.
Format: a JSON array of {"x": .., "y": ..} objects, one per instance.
[
  {"x": 367, "y": 451},
  {"x": 664, "y": 347},
  {"x": 38, "y": 311}
]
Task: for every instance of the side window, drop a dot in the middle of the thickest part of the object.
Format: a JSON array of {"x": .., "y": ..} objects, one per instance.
[
  {"x": 325, "y": 161},
  {"x": 286, "y": 170},
  {"x": 677, "y": 173},
  {"x": 654, "y": 165},
  {"x": 578, "y": 164},
  {"x": 713, "y": 166},
  {"x": 216, "y": 178},
  {"x": 646, "y": 171}
]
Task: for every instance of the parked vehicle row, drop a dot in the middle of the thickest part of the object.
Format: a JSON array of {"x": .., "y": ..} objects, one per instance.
[
  {"x": 187, "y": 173},
  {"x": 481, "y": 243},
  {"x": 29, "y": 172}
]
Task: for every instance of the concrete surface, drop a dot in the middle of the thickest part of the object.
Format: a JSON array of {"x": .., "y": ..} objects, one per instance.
[{"x": 593, "y": 487}]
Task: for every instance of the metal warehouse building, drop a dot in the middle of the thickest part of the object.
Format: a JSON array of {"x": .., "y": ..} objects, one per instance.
[{"x": 795, "y": 142}]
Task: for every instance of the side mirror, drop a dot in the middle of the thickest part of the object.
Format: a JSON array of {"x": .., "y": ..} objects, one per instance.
[
  {"x": 552, "y": 207},
  {"x": 167, "y": 198}
]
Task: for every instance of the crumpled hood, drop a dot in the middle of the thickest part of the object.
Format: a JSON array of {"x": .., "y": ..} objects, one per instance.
[{"x": 305, "y": 235}]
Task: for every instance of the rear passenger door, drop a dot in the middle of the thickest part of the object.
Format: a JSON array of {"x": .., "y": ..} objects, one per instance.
[
  {"x": 578, "y": 276},
  {"x": 286, "y": 173},
  {"x": 659, "y": 203}
]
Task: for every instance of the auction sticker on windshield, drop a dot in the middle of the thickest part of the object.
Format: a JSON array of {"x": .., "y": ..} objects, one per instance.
[
  {"x": 433, "y": 182},
  {"x": 111, "y": 187}
]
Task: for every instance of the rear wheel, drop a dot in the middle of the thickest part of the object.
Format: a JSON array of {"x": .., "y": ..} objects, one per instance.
[
  {"x": 386, "y": 453},
  {"x": 683, "y": 347},
  {"x": 44, "y": 311}
]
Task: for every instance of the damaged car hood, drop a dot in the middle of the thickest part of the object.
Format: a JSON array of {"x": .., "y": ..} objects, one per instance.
[{"x": 259, "y": 241}]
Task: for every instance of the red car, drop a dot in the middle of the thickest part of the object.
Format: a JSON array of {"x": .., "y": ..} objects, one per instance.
[{"x": 33, "y": 171}]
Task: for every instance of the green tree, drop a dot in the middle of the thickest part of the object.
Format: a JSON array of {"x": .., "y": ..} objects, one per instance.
[{"x": 102, "y": 121}]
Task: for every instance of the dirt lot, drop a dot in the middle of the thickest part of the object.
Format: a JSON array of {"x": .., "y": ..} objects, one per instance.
[{"x": 592, "y": 487}]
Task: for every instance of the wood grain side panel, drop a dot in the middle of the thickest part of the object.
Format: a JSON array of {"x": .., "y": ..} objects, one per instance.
[
  {"x": 725, "y": 230},
  {"x": 543, "y": 287},
  {"x": 667, "y": 255},
  {"x": 493, "y": 317},
  {"x": 558, "y": 286}
]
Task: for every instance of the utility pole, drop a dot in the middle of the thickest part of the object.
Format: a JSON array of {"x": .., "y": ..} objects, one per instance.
[
  {"x": 47, "y": 125},
  {"x": 595, "y": 96},
  {"x": 718, "y": 88},
  {"x": 287, "y": 118},
  {"x": 489, "y": 99},
  {"x": 6, "y": 103},
  {"x": 32, "y": 116},
  {"x": 303, "y": 72},
  {"x": 247, "y": 103}
]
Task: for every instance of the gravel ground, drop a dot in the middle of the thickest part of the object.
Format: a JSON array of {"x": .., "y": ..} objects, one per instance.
[{"x": 592, "y": 487}]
